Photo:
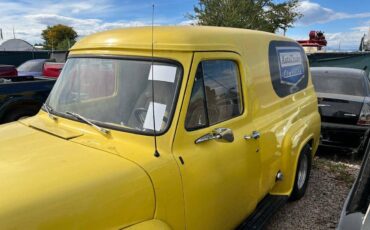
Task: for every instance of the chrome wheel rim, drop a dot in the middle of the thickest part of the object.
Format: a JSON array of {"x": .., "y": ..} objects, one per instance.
[{"x": 302, "y": 171}]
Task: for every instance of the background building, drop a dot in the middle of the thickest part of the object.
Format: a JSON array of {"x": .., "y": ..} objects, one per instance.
[{"x": 16, "y": 45}]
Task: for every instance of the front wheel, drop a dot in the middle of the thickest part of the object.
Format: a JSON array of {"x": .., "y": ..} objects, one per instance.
[{"x": 302, "y": 174}]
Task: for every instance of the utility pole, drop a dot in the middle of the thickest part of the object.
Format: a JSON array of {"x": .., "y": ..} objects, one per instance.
[
  {"x": 367, "y": 41},
  {"x": 340, "y": 40}
]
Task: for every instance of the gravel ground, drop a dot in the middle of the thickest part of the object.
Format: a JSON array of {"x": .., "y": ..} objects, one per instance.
[{"x": 321, "y": 206}]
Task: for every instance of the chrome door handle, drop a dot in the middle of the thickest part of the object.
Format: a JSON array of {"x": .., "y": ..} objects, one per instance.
[
  {"x": 222, "y": 134},
  {"x": 255, "y": 135}
]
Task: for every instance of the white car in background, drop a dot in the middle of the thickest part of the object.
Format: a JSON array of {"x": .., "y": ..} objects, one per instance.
[{"x": 32, "y": 67}]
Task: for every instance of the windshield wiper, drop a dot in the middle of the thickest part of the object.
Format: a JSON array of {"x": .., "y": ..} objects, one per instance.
[
  {"x": 48, "y": 109},
  {"x": 87, "y": 121}
]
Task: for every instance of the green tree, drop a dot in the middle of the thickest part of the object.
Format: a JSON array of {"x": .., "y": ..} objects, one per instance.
[
  {"x": 65, "y": 44},
  {"x": 265, "y": 15},
  {"x": 59, "y": 37}
]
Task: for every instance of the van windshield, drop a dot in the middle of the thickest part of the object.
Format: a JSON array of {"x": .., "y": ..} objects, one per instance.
[{"x": 117, "y": 93}]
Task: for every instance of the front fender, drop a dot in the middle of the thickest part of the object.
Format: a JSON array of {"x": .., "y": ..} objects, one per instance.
[
  {"x": 304, "y": 131},
  {"x": 47, "y": 182}
]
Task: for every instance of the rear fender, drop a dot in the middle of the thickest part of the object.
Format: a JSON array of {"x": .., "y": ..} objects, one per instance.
[{"x": 303, "y": 132}]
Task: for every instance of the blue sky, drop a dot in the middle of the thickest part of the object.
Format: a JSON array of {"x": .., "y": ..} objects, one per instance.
[{"x": 344, "y": 22}]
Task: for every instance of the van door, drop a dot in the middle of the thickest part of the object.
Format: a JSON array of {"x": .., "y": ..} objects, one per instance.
[{"x": 220, "y": 169}]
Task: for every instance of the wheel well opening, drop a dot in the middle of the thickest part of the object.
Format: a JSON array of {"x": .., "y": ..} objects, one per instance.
[
  {"x": 24, "y": 105},
  {"x": 310, "y": 144}
]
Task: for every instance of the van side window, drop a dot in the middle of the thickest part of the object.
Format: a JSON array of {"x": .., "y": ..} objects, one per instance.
[{"x": 216, "y": 94}]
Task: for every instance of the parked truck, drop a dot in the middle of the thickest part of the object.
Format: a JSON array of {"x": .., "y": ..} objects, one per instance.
[{"x": 22, "y": 97}]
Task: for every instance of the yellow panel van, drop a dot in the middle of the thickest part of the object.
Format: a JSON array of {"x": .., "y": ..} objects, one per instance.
[{"x": 164, "y": 128}]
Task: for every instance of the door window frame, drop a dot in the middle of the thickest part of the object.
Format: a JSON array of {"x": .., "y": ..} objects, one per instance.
[{"x": 220, "y": 57}]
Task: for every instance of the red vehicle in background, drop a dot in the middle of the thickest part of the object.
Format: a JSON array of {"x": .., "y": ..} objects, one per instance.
[
  {"x": 52, "y": 69},
  {"x": 8, "y": 71},
  {"x": 316, "y": 42}
]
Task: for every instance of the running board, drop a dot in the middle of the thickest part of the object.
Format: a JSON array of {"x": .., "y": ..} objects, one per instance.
[{"x": 264, "y": 211}]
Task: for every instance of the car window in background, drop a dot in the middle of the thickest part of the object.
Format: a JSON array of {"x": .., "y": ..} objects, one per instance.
[
  {"x": 325, "y": 82},
  {"x": 31, "y": 66}
]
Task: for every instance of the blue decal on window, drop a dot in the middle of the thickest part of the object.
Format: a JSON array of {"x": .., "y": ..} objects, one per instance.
[{"x": 290, "y": 65}]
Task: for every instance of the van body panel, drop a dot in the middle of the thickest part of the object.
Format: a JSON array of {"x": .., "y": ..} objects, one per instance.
[
  {"x": 214, "y": 184},
  {"x": 215, "y": 173}
]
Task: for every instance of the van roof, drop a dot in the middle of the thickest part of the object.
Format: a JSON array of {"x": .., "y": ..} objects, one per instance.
[{"x": 181, "y": 38}]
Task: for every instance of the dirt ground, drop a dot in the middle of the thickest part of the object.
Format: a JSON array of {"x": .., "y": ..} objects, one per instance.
[{"x": 330, "y": 181}]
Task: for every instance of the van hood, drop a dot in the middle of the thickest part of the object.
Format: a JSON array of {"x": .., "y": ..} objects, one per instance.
[{"x": 47, "y": 182}]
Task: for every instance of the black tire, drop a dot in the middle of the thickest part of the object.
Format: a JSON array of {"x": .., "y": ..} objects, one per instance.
[
  {"x": 16, "y": 114},
  {"x": 300, "y": 181}
]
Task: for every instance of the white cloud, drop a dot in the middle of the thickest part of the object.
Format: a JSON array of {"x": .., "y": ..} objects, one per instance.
[
  {"x": 344, "y": 40},
  {"x": 348, "y": 40},
  {"x": 86, "y": 17},
  {"x": 314, "y": 13},
  {"x": 53, "y": 19},
  {"x": 188, "y": 22},
  {"x": 82, "y": 6},
  {"x": 29, "y": 19},
  {"x": 82, "y": 26},
  {"x": 364, "y": 28}
]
